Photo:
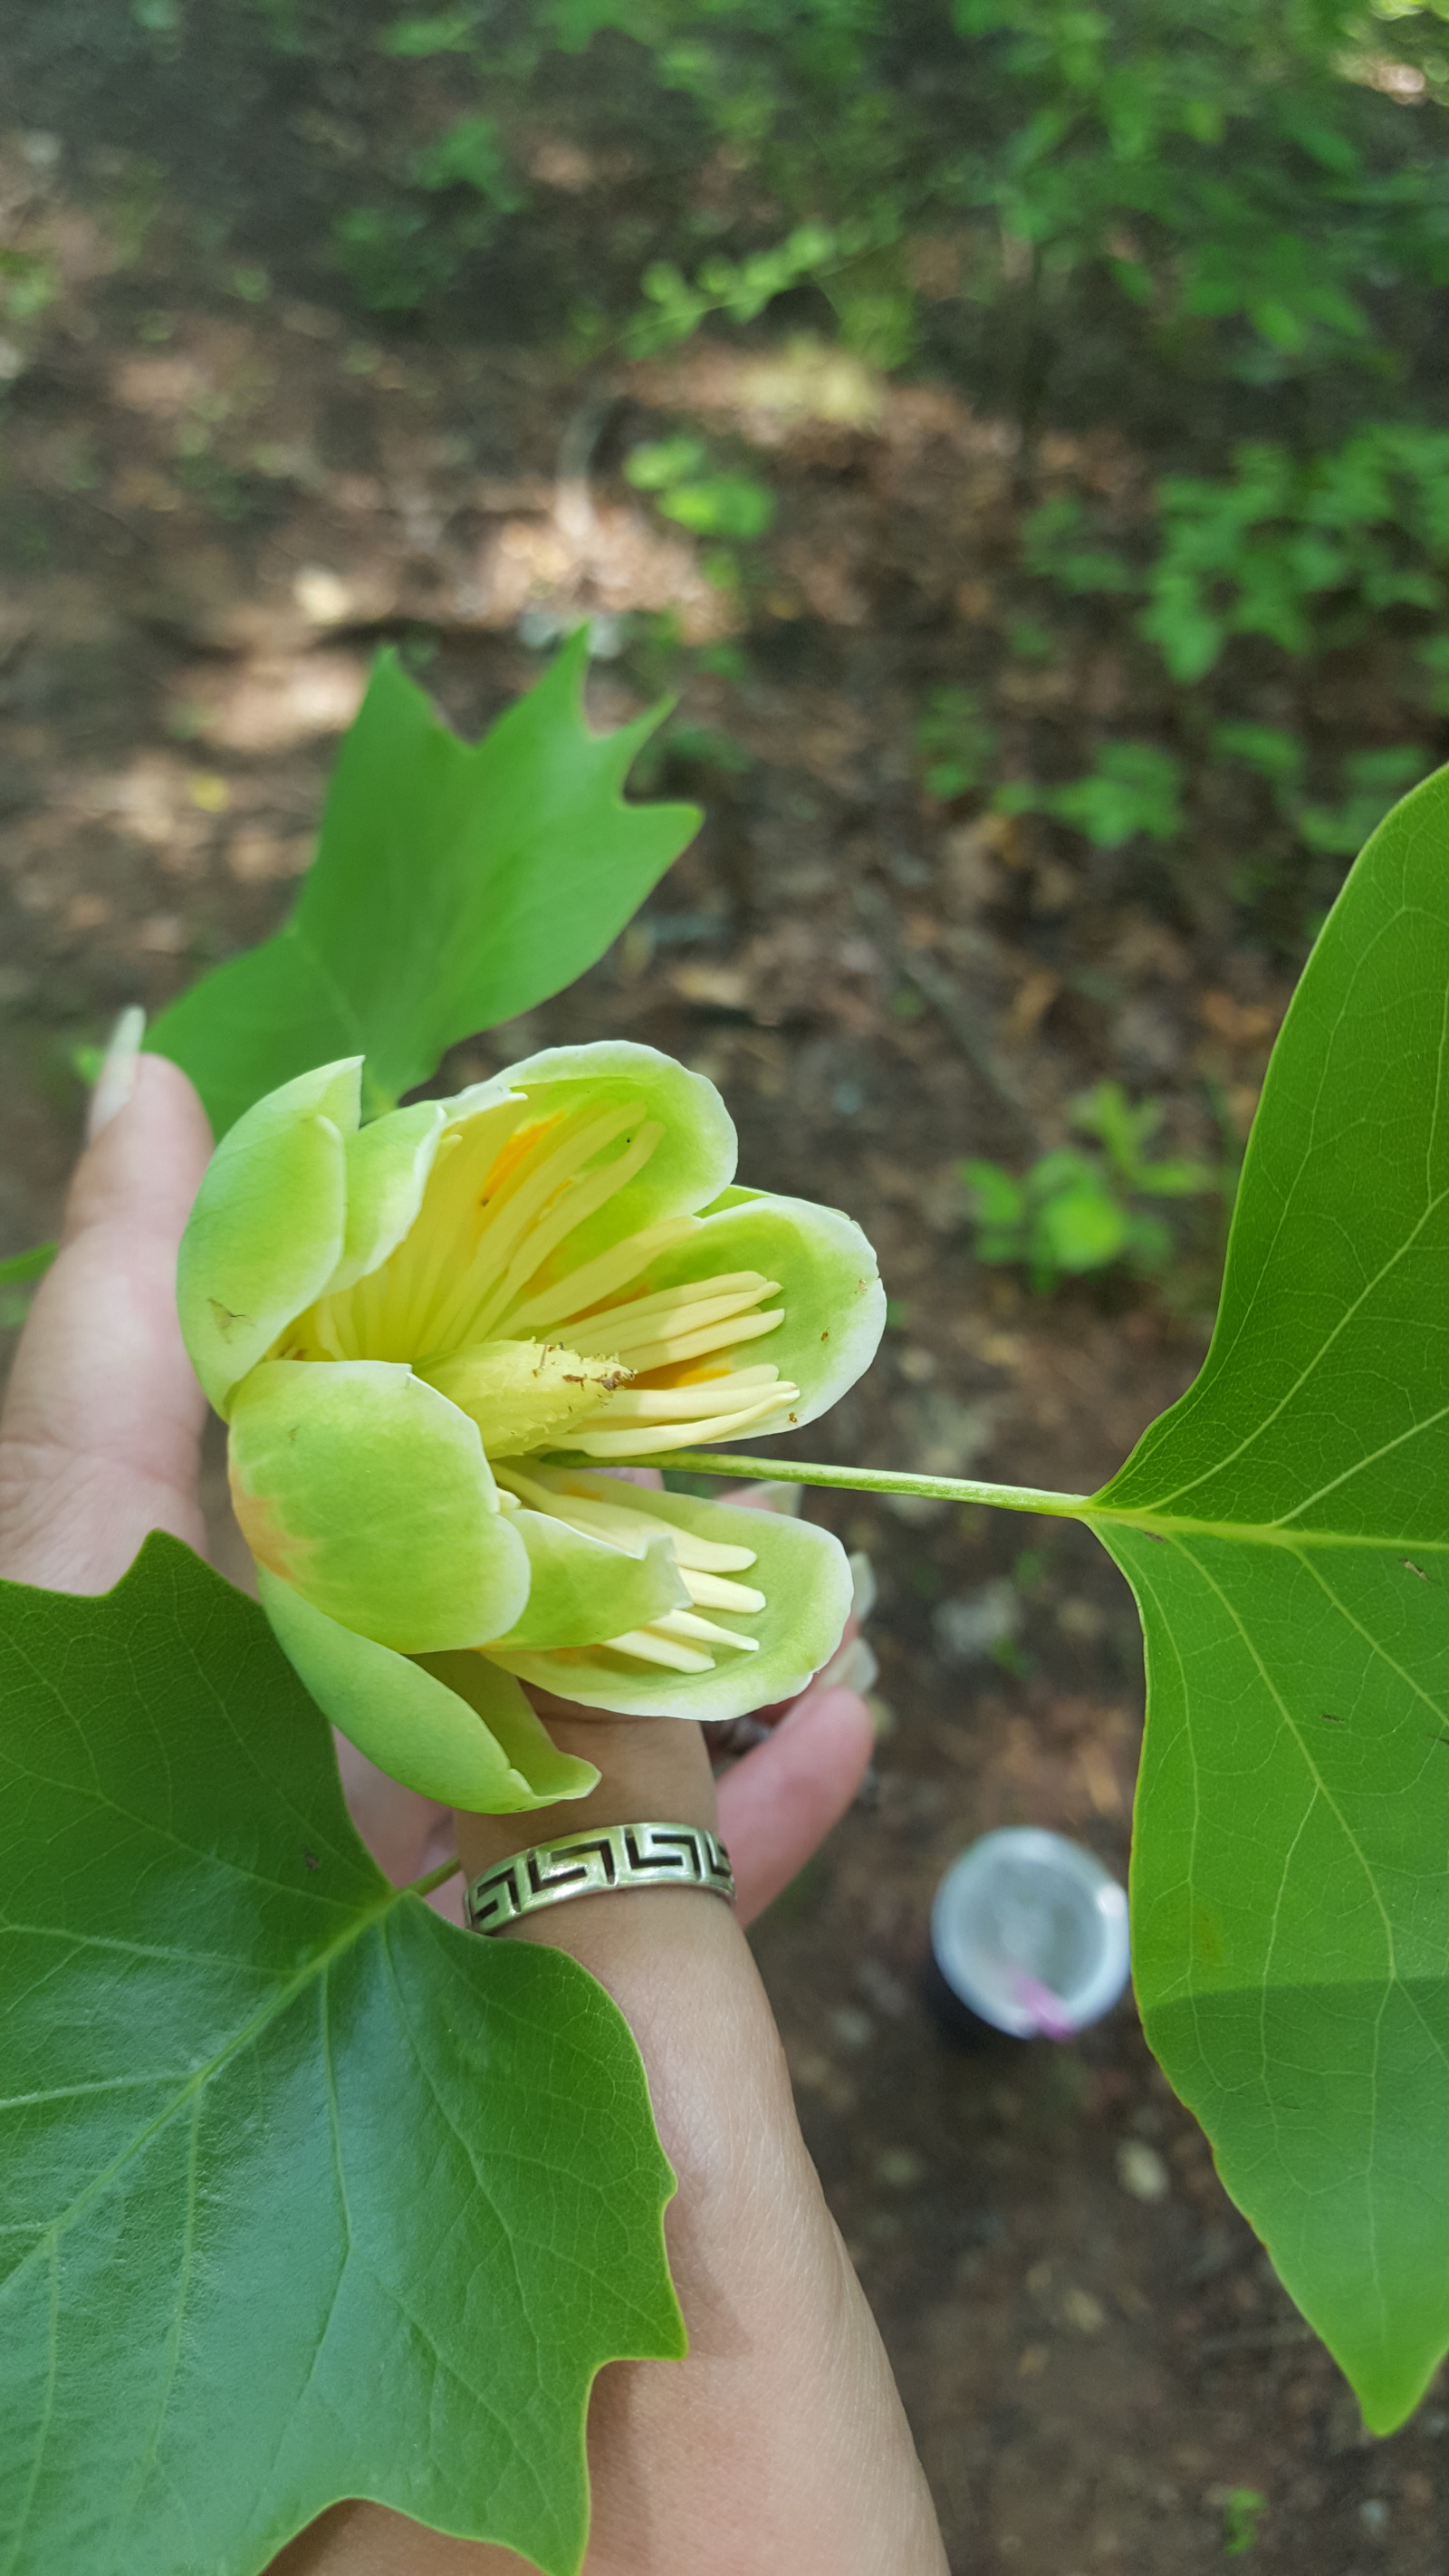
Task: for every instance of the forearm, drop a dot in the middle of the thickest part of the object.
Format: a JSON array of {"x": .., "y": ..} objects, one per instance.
[
  {"x": 780, "y": 2441},
  {"x": 785, "y": 2398}
]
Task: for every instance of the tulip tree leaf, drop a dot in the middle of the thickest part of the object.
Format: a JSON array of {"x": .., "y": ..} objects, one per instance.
[
  {"x": 454, "y": 886},
  {"x": 303, "y": 2193},
  {"x": 1286, "y": 1530}
]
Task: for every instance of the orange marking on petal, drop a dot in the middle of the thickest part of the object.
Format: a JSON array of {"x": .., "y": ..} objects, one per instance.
[
  {"x": 271, "y": 1543},
  {"x": 506, "y": 1162},
  {"x": 685, "y": 1373}
]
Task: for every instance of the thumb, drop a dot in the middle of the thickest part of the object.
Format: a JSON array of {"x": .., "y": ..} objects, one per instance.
[{"x": 102, "y": 1423}]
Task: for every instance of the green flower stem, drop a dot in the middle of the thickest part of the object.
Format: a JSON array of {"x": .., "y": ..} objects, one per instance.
[{"x": 872, "y": 1480}]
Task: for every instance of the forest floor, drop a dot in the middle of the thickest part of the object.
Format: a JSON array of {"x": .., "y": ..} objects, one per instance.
[{"x": 213, "y": 510}]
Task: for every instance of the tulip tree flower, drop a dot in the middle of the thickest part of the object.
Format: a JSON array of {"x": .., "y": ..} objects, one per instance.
[{"x": 430, "y": 1334}]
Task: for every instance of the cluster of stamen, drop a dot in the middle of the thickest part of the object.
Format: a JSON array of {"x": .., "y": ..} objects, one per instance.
[
  {"x": 484, "y": 1265},
  {"x": 679, "y": 1640}
]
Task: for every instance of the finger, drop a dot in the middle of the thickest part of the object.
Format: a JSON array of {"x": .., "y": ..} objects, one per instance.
[
  {"x": 777, "y": 1805},
  {"x": 650, "y": 1768},
  {"x": 102, "y": 1423}
]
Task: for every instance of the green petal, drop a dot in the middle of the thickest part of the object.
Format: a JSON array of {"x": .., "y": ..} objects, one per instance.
[
  {"x": 388, "y": 1164},
  {"x": 829, "y": 1288},
  {"x": 268, "y": 1226},
  {"x": 693, "y": 1160},
  {"x": 462, "y": 1749},
  {"x": 801, "y": 1570},
  {"x": 583, "y": 1589},
  {"x": 371, "y": 1493},
  {"x": 509, "y": 1714}
]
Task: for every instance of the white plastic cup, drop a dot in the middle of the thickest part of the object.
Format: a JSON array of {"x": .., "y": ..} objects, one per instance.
[{"x": 1030, "y": 1933}]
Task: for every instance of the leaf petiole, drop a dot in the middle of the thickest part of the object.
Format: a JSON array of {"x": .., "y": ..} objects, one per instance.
[
  {"x": 438, "y": 1877},
  {"x": 872, "y": 1480}
]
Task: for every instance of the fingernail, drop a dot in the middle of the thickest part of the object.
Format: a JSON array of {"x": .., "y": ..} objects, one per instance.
[
  {"x": 117, "y": 1077},
  {"x": 851, "y": 1667},
  {"x": 862, "y": 1578}
]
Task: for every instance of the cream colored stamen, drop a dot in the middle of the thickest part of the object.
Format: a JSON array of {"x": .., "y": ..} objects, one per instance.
[
  {"x": 646, "y": 1440},
  {"x": 536, "y": 1204},
  {"x": 678, "y": 1635},
  {"x": 635, "y": 1421},
  {"x": 647, "y": 1648},
  {"x": 602, "y": 1277},
  {"x": 703, "y": 1304},
  {"x": 387, "y": 1313},
  {"x": 582, "y": 1199},
  {"x": 684, "y": 1623},
  {"x": 742, "y": 1389},
  {"x": 645, "y": 1358},
  {"x": 713, "y": 1592},
  {"x": 551, "y": 1491}
]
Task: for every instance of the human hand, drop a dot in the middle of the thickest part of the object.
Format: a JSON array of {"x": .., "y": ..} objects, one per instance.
[
  {"x": 776, "y": 1803},
  {"x": 780, "y": 2441},
  {"x": 99, "y": 1444}
]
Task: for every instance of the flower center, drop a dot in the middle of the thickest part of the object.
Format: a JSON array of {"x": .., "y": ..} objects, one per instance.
[
  {"x": 522, "y": 1395},
  {"x": 504, "y": 1254},
  {"x": 504, "y": 1297}
]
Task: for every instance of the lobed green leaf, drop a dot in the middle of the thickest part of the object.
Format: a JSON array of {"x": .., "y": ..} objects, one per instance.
[
  {"x": 304, "y": 2194},
  {"x": 1286, "y": 1530},
  {"x": 454, "y": 886}
]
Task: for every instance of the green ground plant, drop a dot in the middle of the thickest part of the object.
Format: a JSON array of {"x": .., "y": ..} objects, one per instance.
[
  {"x": 955, "y": 744},
  {"x": 1249, "y": 193},
  {"x": 1308, "y": 552},
  {"x": 1133, "y": 789},
  {"x": 1076, "y": 1210},
  {"x": 1241, "y": 2511},
  {"x": 1304, "y": 558},
  {"x": 1370, "y": 783},
  {"x": 686, "y": 484},
  {"x": 1231, "y": 216}
]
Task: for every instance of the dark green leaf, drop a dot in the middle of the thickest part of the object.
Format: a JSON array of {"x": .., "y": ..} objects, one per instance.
[
  {"x": 454, "y": 886},
  {"x": 303, "y": 2193},
  {"x": 1291, "y": 1933}
]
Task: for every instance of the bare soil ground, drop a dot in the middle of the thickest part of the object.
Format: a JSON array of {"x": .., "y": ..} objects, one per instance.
[{"x": 212, "y": 511}]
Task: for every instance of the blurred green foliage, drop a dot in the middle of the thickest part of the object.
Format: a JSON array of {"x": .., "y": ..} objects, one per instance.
[
  {"x": 1219, "y": 226},
  {"x": 1371, "y": 781},
  {"x": 27, "y": 284},
  {"x": 1315, "y": 556},
  {"x": 955, "y": 742},
  {"x": 1242, "y": 2506},
  {"x": 1250, "y": 193},
  {"x": 687, "y": 486},
  {"x": 1309, "y": 552},
  {"x": 1077, "y": 1209},
  {"x": 1134, "y": 787}
]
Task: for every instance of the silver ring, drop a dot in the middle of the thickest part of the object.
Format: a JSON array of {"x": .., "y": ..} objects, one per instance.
[{"x": 605, "y": 1859}]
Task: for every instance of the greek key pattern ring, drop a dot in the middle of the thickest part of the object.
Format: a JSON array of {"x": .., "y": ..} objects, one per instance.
[{"x": 607, "y": 1859}]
